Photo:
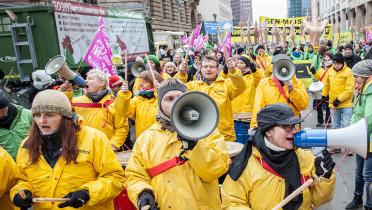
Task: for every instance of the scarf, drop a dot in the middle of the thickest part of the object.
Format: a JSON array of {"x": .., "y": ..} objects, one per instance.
[
  {"x": 11, "y": 115},
  {"x": 149, "y": 94},
  {"x": 284, "y": 163},
  {"x": 165, "y": 121},
  {"x": 246, "y": 71},
  {"x": 96, "y": 97},
  {"x": 52, "y": 147}
]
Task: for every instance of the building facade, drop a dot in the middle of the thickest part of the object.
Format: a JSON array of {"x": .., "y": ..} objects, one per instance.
[
  {"x": 299, "y": 8},
  {"x": 167, "y": 15},
  {"x": 346, "y": 13},
  {"x": 241, "y": 10},
  {"x": 218, "y": 10}
]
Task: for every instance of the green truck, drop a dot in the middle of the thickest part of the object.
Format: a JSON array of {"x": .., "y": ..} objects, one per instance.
[{"x": 31, "y": 34}]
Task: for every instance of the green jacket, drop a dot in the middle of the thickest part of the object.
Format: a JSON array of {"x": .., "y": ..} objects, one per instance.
[
  {"x": 11, "y": 138},
  {"x": 363, "y": 109}
]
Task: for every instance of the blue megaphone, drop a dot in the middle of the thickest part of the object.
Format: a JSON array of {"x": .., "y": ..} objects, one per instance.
[{"x": 354, "y": 138}]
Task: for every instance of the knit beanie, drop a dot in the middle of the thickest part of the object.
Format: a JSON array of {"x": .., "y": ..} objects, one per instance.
[
  {"x": 52, "y": 101},
  {"x": 114, "y": 81},
  {"x": 169, "y": 85},
  {"x": 338, "y": 58},
  {"x": 349, "y": 46},
  {"x": 154, "y": 59},
  {"x": 4, "y": 101},
  {"x": 363, "y": 68},
  {"x": 260, "y": 47},
  {"x": 245, "y": 59},
  {"x": 240, "y": 50}
]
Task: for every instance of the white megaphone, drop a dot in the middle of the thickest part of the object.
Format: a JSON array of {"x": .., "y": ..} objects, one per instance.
[
  {"x": 57, "y": 65},
  {"x": 137, "y": 67},
  {"x": 194, "y": 115},
  {"x": 283, "y": 68},
  {"x": 354, "y": 138}
]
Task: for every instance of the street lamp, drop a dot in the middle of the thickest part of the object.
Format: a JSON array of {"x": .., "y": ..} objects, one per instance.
[{"x": 215, "y": 22}]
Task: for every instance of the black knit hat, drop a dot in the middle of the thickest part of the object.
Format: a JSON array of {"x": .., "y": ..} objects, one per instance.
[
  {"x": 260, "y": 47},
  {"x": 245, "y": 59},
  {"x": 338, "y": 58},
  {"x": 240, "y": 50},
  {"x": 4, "y": 101},
  {"x": 348, "y": 46},
  {"x": 276, "y": 114},
  {"x": 169, "y": 85}
]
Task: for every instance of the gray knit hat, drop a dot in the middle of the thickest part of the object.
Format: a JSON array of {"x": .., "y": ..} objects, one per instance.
[
  {"x": 363, "y": 68},
  {"x": 52, "y": 101}
]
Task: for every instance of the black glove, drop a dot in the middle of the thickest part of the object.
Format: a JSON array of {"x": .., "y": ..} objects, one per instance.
[
  {"x": 23, "y": 203},
  {"x": 187, "y": 143},
  {"x": 225, "y": 69},
  {"x": 328, "y": 164},
  {"x": 325, "y": 99},
  {"x": 146, "y": 198},
  {"x": 336, "y": 102},
  {"x": 313, "y": 70},
  {"x": 77, "y": 199},
  {"x": 253, "y": 68}
]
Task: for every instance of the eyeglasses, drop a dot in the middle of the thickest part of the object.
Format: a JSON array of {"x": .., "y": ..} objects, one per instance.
[
  {"x": 289, "y": 128},
  {"x": 209, "y": 67}
]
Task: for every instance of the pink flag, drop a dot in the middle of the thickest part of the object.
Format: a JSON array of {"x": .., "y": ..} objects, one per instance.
[
  {"x": 227, "y": 43},
  {"x": 99, "y": 54},
  {"x": 199, "y": 42},
  {"x": 195, "y": 33},
  {"x": 185, "y": 40}
]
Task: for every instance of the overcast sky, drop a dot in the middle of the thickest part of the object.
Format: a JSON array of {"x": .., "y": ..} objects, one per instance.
[{"x": 269, "y": 8}]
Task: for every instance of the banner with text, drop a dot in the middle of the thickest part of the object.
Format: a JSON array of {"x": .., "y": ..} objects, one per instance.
[
  {"x": 280, "y": 24},
  {"x": 77, "y": 23}
]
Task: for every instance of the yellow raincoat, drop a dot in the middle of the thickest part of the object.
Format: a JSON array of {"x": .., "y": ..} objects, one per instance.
[
  {"x": 243, "y": 104},
  {"x": 182, "y": 77},
  {"x": 267, "y": 93},
  {"x": 319, "y": 73},
  {"x": 223, "y": 91},
  {"x": 7, "y": 179},
  {"x": 265, "y": 64},
  {"x": 96, "y": 170},
  {"x": 111, "y": 121},
  {"x": 257, "y": 188},
  {"x": 144, "y": 111},
  {"x": 193, "y": 185},
  {"x": 340, "y": 85}
]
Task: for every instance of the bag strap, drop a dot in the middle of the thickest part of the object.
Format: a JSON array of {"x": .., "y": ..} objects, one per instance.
[
  {"x": 94, "y": 105},
  {"x": 281, "y": 90},
  {"x": 324, "y": 73},
  {"x": 166, "y": 165}
]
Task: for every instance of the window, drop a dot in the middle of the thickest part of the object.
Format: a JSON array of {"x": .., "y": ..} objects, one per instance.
[
  {"x": 5, "y": 23},
  {"x": 90, "y": 2}
]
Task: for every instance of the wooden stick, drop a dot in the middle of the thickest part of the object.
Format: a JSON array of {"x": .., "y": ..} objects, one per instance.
[
  {"x": 294, "y": 194},
  {"x": 126, "y": 65},
  {"x": 148, "y": 62},
  {"x": 50, "y": 200},
  {"x": 22, "y": 193}
]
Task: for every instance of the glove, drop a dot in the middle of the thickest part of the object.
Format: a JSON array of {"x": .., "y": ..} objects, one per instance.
[
  {"x": 77, "y": 199},
  {"x": 23, "y": 203},
  {"x": 328, "y": 164},
  {"x": 313, "y": 70},
  {"x": 187, "y": 143},
  {"x": 336, "y": 102},
  {"x": 225, "y": 69},
  {"x": 325, "y": 99},
  {"x": 253, "y": 68},
  {"x": 146, "y": 198}
]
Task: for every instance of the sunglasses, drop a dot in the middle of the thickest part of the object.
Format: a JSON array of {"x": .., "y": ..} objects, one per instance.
[{"x": 289, "y": 128}]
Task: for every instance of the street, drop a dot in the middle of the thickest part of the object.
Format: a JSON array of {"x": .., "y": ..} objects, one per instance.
[{"x": 345, "y": 175}]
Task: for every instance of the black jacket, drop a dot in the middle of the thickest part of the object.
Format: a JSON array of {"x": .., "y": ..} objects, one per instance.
[{"x": 350, "y": 62}]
